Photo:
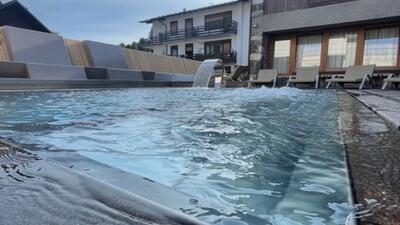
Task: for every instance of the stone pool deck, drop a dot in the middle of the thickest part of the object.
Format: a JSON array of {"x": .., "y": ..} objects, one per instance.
[{"x": 371, "y": 139}]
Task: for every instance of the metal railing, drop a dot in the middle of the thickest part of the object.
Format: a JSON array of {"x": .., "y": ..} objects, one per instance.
[
  {"x": 230, "y": 57},
  {"x": 210, "y": 29}
]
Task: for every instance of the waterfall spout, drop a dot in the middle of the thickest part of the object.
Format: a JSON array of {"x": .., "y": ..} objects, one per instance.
[{"x": 207, "y": 72}]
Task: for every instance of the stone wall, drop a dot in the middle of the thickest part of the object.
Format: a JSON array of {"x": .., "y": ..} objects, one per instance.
[{"x": 256, "y": 38}]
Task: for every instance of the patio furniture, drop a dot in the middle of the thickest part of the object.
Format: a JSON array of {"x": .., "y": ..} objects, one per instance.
[
  {"x": 354, "y": 74},
  {"x": 305, "y": 75},
  {"x": 265, "y": 77},
  {"x": 391, "y": 79},
  {"x": 239, "y": 70}
]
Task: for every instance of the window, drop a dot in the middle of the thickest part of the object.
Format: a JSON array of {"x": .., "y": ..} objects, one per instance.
[
  {"x": 342, "y": 50},
  {"x": 335, "y": 50},
  {"x": 218, "y": 21},
  {"x": 189, "y": 24},
  {"x": 381, "y": 47},
  {"x": 189, "y": 51},
  {"x": 174, "y": 27},
  {"x": 281, "y": 56},
  {"x": 174, "y": 51},
  {"x": 189, "y": 27},
  {"x": 309, "y": 51},
  {"x": 218, "y": 48}
]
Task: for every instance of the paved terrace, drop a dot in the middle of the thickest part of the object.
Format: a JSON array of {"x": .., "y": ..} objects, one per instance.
[
  {"x": 371, "y": 138},
  {"x": 384, "y": 103}
]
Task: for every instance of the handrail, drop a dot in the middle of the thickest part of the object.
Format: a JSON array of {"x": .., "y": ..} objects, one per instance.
[{"x": 210, "y": 29}]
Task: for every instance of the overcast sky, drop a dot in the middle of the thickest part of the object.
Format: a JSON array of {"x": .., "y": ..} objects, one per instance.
[{"x": 111, "y": 21}]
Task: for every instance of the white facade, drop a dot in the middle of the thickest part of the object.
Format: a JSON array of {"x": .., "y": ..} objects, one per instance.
[{"x": 239, "y": 41}]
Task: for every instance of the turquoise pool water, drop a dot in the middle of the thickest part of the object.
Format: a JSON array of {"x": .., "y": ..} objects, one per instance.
[{"x": 267, "y": 156}]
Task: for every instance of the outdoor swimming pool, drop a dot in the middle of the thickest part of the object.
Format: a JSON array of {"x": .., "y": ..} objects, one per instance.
[{"x": 267, "y": 156}]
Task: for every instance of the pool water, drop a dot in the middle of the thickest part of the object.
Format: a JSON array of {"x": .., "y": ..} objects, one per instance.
[{"x": 266, "y": 156}]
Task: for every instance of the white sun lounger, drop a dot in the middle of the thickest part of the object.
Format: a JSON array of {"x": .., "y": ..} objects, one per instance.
[{"x": 354, "y": 74}]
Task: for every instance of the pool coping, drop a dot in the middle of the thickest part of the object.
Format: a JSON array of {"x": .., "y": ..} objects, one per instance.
[
  {"x": 371, "y": 156},
  {"x": 7, "y": 84}
]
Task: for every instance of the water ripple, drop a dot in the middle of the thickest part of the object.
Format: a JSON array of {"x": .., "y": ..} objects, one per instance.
[{"x": 262, "y": 154}]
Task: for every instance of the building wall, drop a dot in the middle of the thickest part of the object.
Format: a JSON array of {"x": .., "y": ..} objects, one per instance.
[
  {"x": 323, "y": 17},
  {"x": 275, "y": 6},
  {"x": 240, "y": 42}
]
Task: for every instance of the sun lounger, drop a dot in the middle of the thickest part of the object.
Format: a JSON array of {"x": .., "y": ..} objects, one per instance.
[
  {"x": 265, "y": 77},
  {"x": 354, "y": 74},
  {"x": 239, "y": 70},
  {"x": 306, "y": 75},
  {"x": 391, "y": 79}
]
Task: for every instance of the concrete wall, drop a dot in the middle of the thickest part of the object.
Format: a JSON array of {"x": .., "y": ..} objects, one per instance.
[
  {"x": 35, "y": 47},
  {"x": 349, "y": 12},
  {"x": 49, "y": 56},
  {"x": 105, "y": 55},
  {"x": 173, "y": 77},
  {"x": 55, "y": 72},
  {"x": 139, "y": 60},
  {"x": 240, "y": 42}
]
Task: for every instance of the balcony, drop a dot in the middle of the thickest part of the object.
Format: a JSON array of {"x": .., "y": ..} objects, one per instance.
[
  {"x": 226, "y": 57},
  {"x": 211, "y": 29}
]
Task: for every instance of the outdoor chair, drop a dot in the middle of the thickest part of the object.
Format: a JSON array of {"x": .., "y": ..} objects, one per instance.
[
  {"x": 306, "y": 75},
  {"x": 239, "y": 70},
  {"x": 354, "y": 74},
  {"x": 265, "y": 77},
  {"x": 391, "y": 79}
]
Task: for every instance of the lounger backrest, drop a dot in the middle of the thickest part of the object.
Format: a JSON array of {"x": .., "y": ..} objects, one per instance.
[
  {"x": 358, "y": 72},
  {"x": 307, "y": 73},
  {"x": 239, "y": 71},
  {"x": 267, "y": 75}
]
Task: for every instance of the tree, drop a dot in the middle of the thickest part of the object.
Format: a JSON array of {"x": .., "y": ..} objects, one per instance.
[{"x": 140, "y": 45}]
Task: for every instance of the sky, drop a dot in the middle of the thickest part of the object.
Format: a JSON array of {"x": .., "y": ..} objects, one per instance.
[{"x": 109, "y": 21}]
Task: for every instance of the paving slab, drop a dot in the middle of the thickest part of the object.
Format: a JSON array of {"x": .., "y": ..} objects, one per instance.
[
  {"x": 390, "y": 94},
  {"x": 384, "y": 104}
]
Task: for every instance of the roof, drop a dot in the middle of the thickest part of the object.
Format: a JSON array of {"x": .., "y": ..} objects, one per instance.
[
  {"x": 12, "y": 18},
  {"x": 191, "y": 11}
]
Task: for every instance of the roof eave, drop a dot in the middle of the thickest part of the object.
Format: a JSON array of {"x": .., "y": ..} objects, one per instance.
[
  {"x": 148, "y": 21},
  {"x": 5, "y": 5}
]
